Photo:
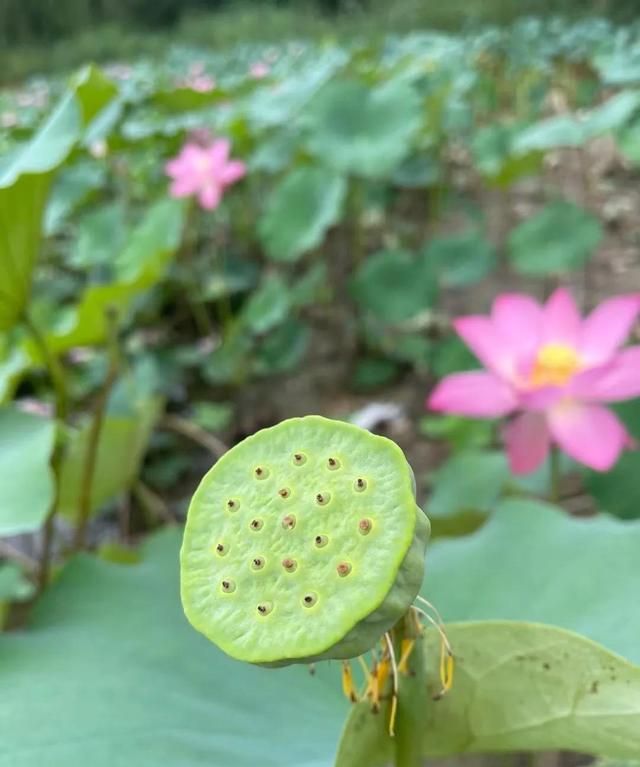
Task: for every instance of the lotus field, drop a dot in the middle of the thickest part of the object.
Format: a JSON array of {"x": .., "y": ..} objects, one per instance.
[{"x": 320, "y": 405}]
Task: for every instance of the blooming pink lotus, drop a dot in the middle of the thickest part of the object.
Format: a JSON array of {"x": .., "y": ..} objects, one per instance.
[
  {"x": 258, "y": 70},
  {"x": 199, "y": 83},
  {"x": 205, "y": 171},
  {"x": 551, "y": 370}
]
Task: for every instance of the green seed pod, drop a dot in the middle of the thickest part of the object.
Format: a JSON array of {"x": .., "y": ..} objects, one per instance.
[{"x": 304, "y": 542}]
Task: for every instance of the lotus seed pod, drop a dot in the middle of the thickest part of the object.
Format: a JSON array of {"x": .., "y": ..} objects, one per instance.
[{"x": 303, "y": 542}]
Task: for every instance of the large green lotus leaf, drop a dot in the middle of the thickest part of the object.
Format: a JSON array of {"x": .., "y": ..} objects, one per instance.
[
  {"x": 21, "y": 209},
  {"x": 518, "y": 686},
  {"x": 372, "y": 373},
  {"x": 614, "y": 114},
  {"x": 496, "y": 158},
  {"x": 530, "y": 562},
  {"x": 569, "y": 131},
  {"x": 418, "y": 171},
  {"x": 312, "y": 287},
  {"x": 123, "y": 441},
  {"x": 561, "y": 130},
  {"x": 121, "y": 627},
  {"x": 394, "y": 285},
  {"x": 14, "y": 362},
  {"x": 283, "y": 348},
  {"x": 25, "y": 179},
  {"x": 71, "y": 188},
  {"x": 13, "y": 584},
  {"x": 361, "y": 130},
  {"x": 275, "y": 153},
  {"x": 618, "y": 491},
  {"x": 89, "y": 92},
  {"x": 470, "y": 482},
  {"x": 628, "y": 141},
  {"x": 152, "y": 245},
  {"x": 300, "y": 211},
  {"x": 49, "y": 146},
  {"x": 101, "y": 233},
  {"x": 143, "y": 261},
  {"x": 187, "y": 99},
  {"x": 268, "y": 306},
  {"x": 461, "y": 259},
  {"x": 620, "y": 66},
  {"x": 616, "y": 763},
  {"x": 87, "y": 322},
  {"x": 560, "y": 238},
  {"x": 14, "y": 587},
  {"x": 26, "y": 443},
  {"x": 94, "y": 92},
  {"x": 281, "y": 104},
  {"x": 115, "y": 676},
  {"x": 461, "y": 432},
  {"x": 521, "y": 685}
]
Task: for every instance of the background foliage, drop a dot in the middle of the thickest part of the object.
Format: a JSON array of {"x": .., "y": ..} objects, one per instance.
[{"x": 393, "y": 183}]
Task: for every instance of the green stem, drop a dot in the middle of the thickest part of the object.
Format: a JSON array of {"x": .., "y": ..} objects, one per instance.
[
  {"x": 554, "y": 489},
  {"x": 407, "y": 743},
  {"x": 191, "y": 295},
  {"x": 356, "y": 200},
  {"x": 192, "y": 431},
  {"x": 53, "y": 366},
  {"x": 90, "y": 461},
  {"x": 58, "y": 381},
  {"x": 199, "y": 312},
  {"x": 7, "y": 551},
  {"x": 152, "y": 504}
]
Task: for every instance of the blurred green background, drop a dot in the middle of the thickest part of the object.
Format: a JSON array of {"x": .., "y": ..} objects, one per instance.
[{"x": 52, "y": 34}]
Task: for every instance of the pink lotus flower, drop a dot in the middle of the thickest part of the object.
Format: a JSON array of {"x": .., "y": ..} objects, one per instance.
[
  {"x": 204, "y": 171},
  {"x": 551, "y": 370},
  {"x": 259, "y": 70},
  {"x": 199, "y": 83},
  {"x": 34, "y": 406}
]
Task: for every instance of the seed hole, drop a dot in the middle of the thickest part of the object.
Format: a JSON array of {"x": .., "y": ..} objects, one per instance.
[
  {"x": 256, "y": 524},
  {"x": 322, "y": 499},
  {"x": 344, "y": 568},
  {"x": 264, "y": 608},
  {"x": 299, "y": 459},
  {"x": 364, "y": 526},
  {"x": 257, "y": 563},
  {"x": 221, "y": 549},
  {"x": 333, "y": 464},
  {"x": 360, "y": 485},
  {"x": 233, "y": 504},
  {"x": 321, "y": 541},
  {"x": 310, "y": 599},
  {"x": 228, "y": 586},
  {"x": 289, "y": 522},
  {"x": 284, "y": 492},
  {"x": 260, "y": 472},
  {"x": 290, "y": 565}
]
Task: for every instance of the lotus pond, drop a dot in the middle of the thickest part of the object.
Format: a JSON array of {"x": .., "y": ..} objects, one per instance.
[{"x": 432, "y": 239}]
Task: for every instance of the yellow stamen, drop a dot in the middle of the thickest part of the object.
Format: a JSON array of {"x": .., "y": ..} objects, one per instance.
[
  {"x": 368, "y": 679},
  {"x": 394, "y": 693},
  {"x": 446, "y": 670},
  {"x": 405, "y": 652},
  {"x": 381, "y": 676},
  {"x": 374, "y": 689},
  {"x": 347, "y": 682},
  {"x": 554, "y": 365},
  {"x": 446, "y": 653}
]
